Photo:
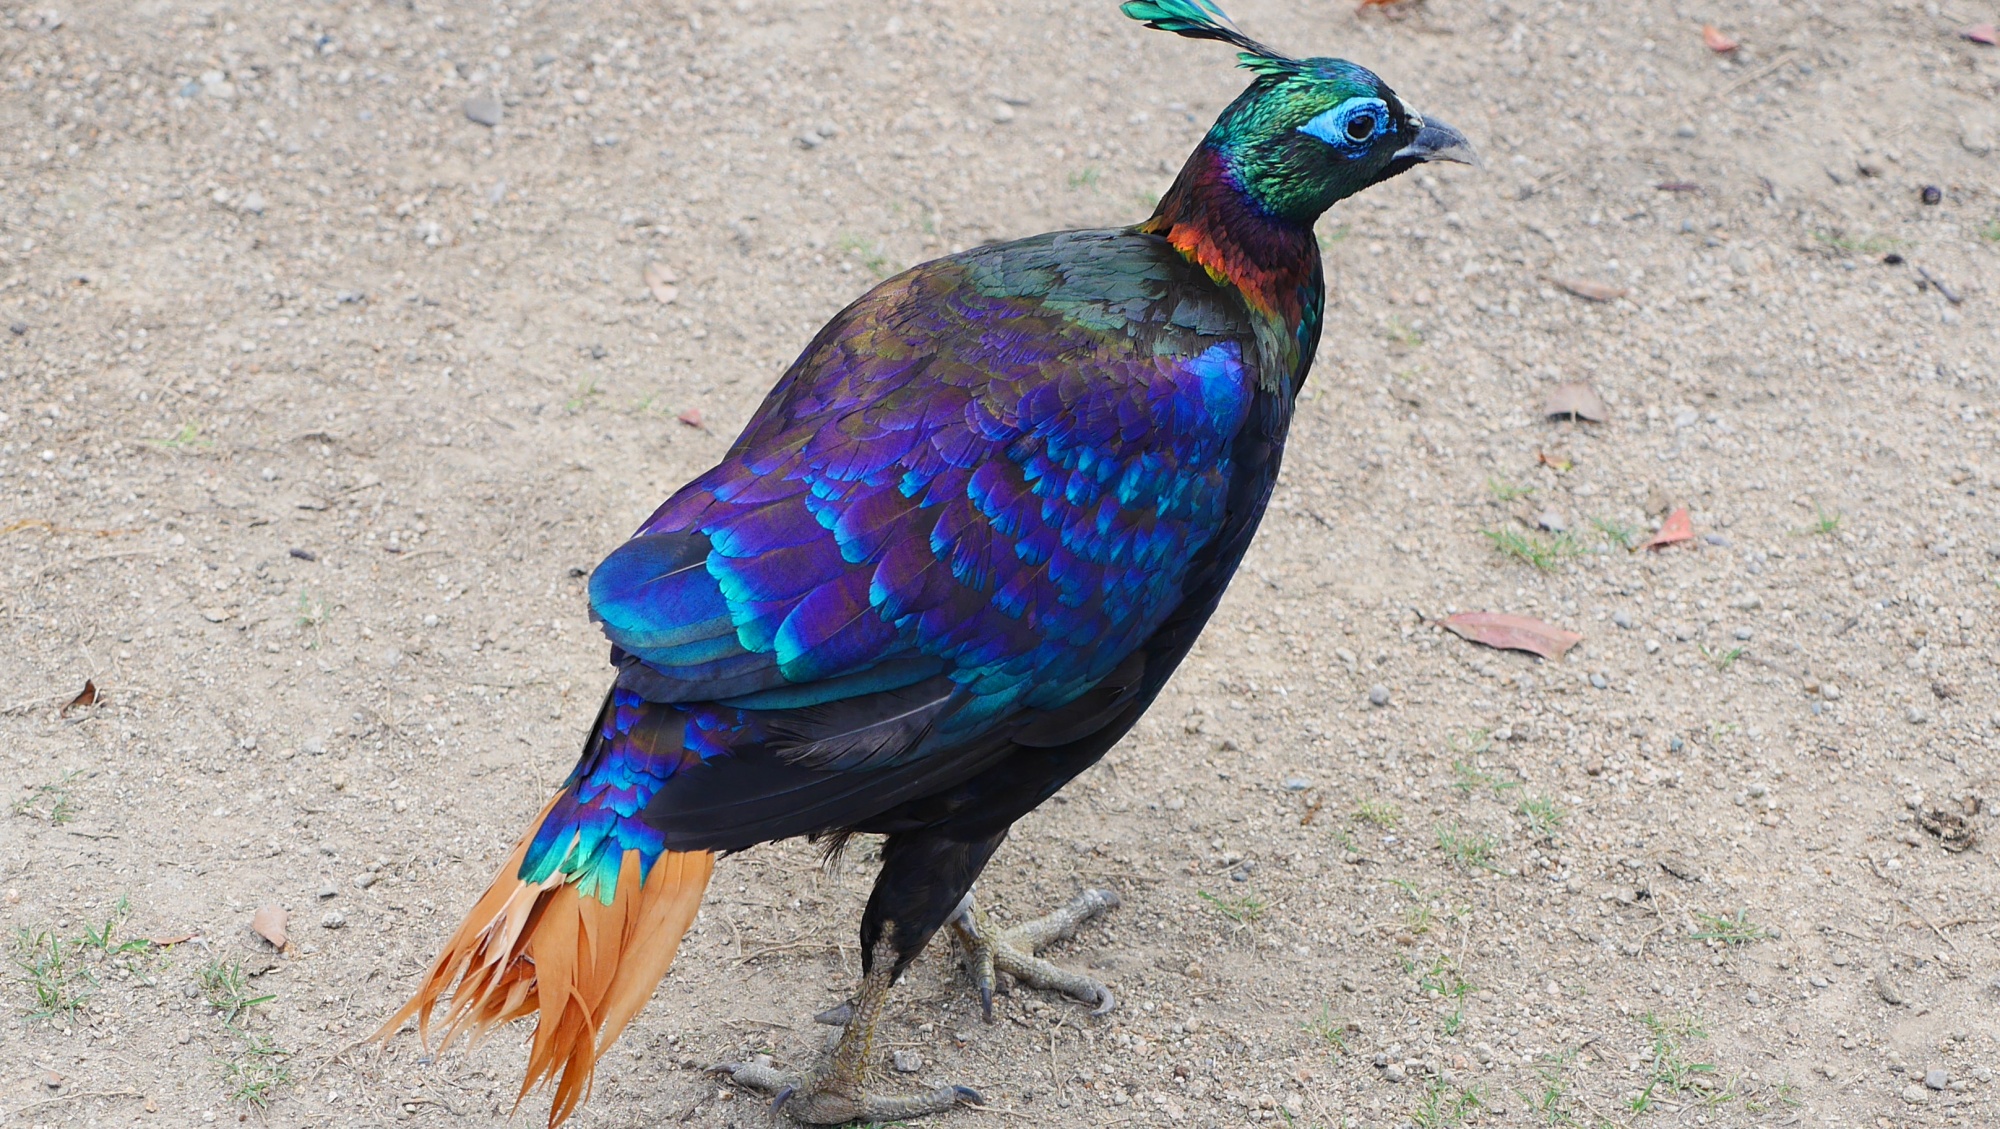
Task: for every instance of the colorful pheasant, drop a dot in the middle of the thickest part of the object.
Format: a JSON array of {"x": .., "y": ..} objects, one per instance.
[{"x": 949, "y": 563}]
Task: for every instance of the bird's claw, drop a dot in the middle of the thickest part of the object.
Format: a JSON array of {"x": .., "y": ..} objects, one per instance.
[
  {"x": 821, "y": 1100},
  {"x": 1012, "y": 951}
]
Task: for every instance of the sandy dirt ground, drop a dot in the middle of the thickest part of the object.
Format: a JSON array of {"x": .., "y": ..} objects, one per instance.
[{"x": 318, "y": 399}]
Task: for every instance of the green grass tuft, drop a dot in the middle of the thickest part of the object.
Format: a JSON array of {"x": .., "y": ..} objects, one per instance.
[
  {"x": 1544, "y": 553},
  {"x": 56, "y": 977},
  {"x": 188, "y": 436},
  {"x": 1330, "y": 1029},
  {"x": 1738, "y": 930},
  {"x": 1543, "y": 815},
  {"x": 1507, "y": 491},
  {"x": 1624, "y": 536},
  {"x": 227, "y": 989},
  {"x": 867, "y": 254},
  {"x": 1672, "y": 1069},
  {"x": 1473, "y": 852},
  {"x": 1381, "y": 813},
  {"x": 1824, "y": 524},
  {"x": 1242, "y": 910},
  {"x": 50, "y": 800},
  {"x": 1853, "y": 245},
  {"x": 257, "y": 1071}
]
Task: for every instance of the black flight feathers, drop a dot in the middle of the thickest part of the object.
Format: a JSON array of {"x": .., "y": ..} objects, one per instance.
[{"x": 1201, "y": 19}]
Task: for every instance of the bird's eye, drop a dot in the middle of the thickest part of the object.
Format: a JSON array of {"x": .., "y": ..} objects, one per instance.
[{"x": 1361, "y": 127}]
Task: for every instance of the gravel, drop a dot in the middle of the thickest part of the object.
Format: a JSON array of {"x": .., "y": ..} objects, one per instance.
[{"x": 452, "y": 340}]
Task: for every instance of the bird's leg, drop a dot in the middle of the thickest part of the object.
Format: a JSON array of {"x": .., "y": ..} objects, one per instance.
[
  {"x": 1012, "y": 951},
  {"x": 835, "y": 1093}
]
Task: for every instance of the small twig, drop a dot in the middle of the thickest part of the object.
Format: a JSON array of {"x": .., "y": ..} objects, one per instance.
[
  {"x": 1933, "y": 925},
  {"x": 788, "y": 946},
  {"x": 1769, "y": 69},
  {"x": 82, "y": 1094},
  {"x": 1949, "y": 294},
  {"x": 335, "y": 1057}
]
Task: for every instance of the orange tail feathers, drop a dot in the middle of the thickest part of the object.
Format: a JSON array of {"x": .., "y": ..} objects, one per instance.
[{"x": 582, "y": 967}]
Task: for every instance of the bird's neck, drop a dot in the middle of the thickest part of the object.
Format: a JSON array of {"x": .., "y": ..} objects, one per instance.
[{"x": 1209, "y": 217}]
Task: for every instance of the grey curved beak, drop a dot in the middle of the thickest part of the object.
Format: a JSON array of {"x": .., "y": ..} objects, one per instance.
[{"x": 1435, "y": 142}]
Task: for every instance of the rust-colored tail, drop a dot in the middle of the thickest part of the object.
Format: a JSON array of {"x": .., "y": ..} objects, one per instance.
[{"x": 583, "y": 968}]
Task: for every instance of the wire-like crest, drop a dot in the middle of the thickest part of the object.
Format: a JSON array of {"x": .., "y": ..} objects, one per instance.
[{"x": 1202, "y": 19}]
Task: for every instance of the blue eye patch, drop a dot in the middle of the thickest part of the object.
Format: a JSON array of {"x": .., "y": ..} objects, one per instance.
[{"x": 1356, "y": 121}]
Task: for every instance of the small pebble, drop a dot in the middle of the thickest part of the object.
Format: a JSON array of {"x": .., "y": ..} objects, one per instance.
[
  {"x": 907, "y": 1062},
  {"x": 1683, "y": 631},
  {"x": 1652, "y": 646},
  {"x": 1297, "y": 783},
  {"x": 1887, "y": 989},
  {"x": 1915, "y": 716},
  {"x": 1743, "y": 634},
  {"x": 328, "y": 890},
  {"x": 1936, "y": 1078},
  {"x": 334, "y": 919},
  {"x": 1552, "y": 521},
  {"x": 1622, "y": 619},
  {"x": 1378, "y": 695},
  {"x": 1830, "y": 692},
  {"x": 1931, "y": 195},
  {"x": 364, "y": 880},
  {"x": 483, "y": 109},
  {"x": 252, "y": 204},
  {"x": 1598, "y": 680},
  {"x": 1393, "y": 1072}
]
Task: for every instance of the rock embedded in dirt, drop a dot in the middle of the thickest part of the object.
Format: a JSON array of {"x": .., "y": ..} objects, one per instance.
[
  {"x": 483, "y": 109},
  {"x": 1887, "y": 989},
  {"x": 1378, "y": 695},
  {"x": 907, "y": 1062}
]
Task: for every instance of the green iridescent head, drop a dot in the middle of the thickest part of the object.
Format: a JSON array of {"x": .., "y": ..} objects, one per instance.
[{"x": 1307, "y": 132}]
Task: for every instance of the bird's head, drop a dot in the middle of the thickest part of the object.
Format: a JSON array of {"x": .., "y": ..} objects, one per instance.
[{"x": 1307, "y": 132}]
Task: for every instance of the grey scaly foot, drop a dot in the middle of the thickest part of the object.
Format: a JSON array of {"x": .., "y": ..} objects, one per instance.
[
  {"x": 834, "y": 1093},
  {"x": 820, "y": 1099},
  {"x": 1012, "y": 951}
]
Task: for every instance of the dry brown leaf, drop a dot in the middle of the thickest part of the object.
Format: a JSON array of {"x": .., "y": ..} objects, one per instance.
[
  {"x": 1593, "y": 291},
  {"x": 1577, "y": 400},
  {"x": 691, "y": 417},
  {"x": 84, "y": 698},
  {"x": 1513, "y": 633},
  {"x": 660, "y": 280},
  {"x": 1716, "y": 41},
  {"x": 1982, "y": 33},
  {"x": 1560, "y": 463},
  {"x": 1677, "y": 528},
  {"x": 269, "y": 923}
]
